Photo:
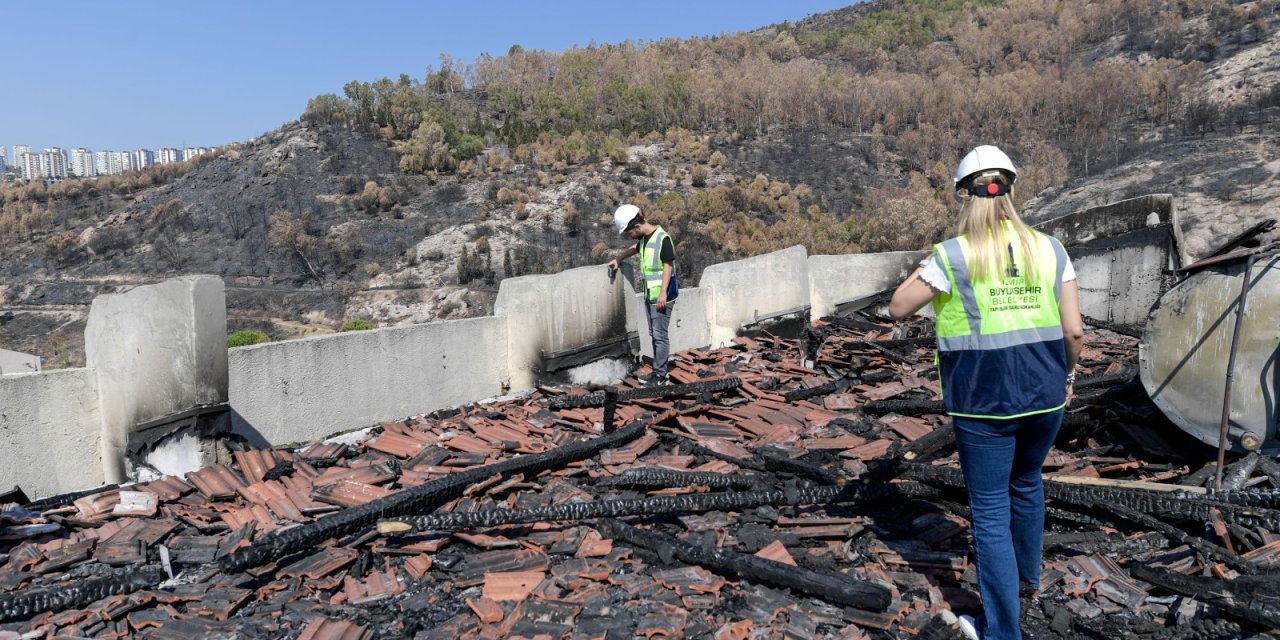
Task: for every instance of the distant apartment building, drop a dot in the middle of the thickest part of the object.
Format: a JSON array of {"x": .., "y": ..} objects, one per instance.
[
  {"x": 120, "y": 162},
  {"x": 4, "y": 166},
  {"x": 167, "y": 155},
  {"x": 143, "y": 158},
  {"x": 53, "y": 163},
  {"x": 82, "y": 164},
  {"x": 191, "y": 152},
  {"x": 102, "y": 162},
  {"x": 19, "y": 153},
  {"x": 30, "y": 166}
]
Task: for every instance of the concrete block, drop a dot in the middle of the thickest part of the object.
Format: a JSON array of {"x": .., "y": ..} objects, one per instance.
[
  {"x": 834, "y": 279},
  {"x": 303, "y": 390},
  {"x": 157, "y": 350},
  {"x": 558, "y": 312},
  {"x": 744, "y": 290},
  {"x": 50, "y": 432},
  {"x": 12, "y": 362}
]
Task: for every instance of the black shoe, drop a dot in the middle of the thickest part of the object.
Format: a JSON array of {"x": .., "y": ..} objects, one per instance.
[{"x": 654, "y": 381}]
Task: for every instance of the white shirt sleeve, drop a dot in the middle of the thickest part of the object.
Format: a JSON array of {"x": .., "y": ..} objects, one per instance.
[{"x": 934, "y": 275}]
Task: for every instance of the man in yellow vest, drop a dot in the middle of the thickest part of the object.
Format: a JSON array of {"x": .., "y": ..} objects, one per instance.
[{"x": 657, "y": 264}]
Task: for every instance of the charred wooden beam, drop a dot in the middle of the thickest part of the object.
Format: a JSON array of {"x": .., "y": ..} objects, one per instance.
[
  {"x": 1163, "y": 504},
  {"x": 1206, "y": 548},
  {"x": 1212, "y": 591},
  {"x": 779, "y": 461},
  {"x": 1260, "y": 498},
  {"x": 33, "y": 602},
  {"x": 415, "y": 500},
  {"x": 651, "y": 477},
  {"x": 1122, "y": 329},
  {"x": 905, "y": 407},
  {"x": 833, "y": 587},
  {"x": 658, "y": 505},
  {"x": 44, "y": 504},
  {"x": 835, "y": 386},
  {"x": 1234, "y": 476},
  {"x": 597, "y": 398}
]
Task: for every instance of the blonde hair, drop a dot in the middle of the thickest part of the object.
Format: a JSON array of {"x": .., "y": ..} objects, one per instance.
[{"x": 990, "y": 245}]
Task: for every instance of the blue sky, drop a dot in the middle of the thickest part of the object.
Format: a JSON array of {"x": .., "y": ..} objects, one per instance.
[{"x": 150, "y": 73}]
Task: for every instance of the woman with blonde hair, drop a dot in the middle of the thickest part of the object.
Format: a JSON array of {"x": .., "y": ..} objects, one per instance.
[{"x": 1009, "y": 334}]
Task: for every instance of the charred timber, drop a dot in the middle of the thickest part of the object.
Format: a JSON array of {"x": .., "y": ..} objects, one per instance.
[
  {"x": 597, "y": 398},
  {"x": 1236, "y": 475},
  {"x": 662, "y": 505},
  {"x": 651, "y": 477},
  {"x": 833, "y": 587},
  {"x": 1208, "y": 549},
  {"x": 1163, "y": 504},
  {"x": 835, "y": 386},
  {"x": 1212, "y": 591},
  {"x": 1122, "y": 329},
  {"x": 779, "y": 461},
  {"x": 415, "y": 500},
  {"x": 44, "y": 504},
  {"x": 33, "y": 602}
]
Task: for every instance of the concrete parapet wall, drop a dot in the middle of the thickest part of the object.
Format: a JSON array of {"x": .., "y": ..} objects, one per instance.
[
  {"x": 306, "y": 389},
  {"x": 157, "y": 350},
  {"x": 50, "y": 432},
  {"x": 743, "y": 290},
  {"x": 834, "y": 279},
  {"x": 557, "y": 312}
]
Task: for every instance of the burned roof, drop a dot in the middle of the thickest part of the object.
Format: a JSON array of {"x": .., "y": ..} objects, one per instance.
[{"x": 805, "y": 488}]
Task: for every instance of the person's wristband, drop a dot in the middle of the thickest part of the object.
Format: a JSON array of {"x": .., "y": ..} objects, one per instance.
[{"x": 1071, "y": 378}]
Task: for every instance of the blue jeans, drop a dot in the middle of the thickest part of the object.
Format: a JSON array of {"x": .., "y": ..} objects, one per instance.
[{"x": 1001, "y": 460}]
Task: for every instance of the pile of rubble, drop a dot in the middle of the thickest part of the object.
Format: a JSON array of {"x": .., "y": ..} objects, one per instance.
[{"x": 802, "y": 488}]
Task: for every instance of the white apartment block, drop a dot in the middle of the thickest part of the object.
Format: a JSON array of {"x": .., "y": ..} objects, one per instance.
[
  {"x": 30, "y": 166},
  {"x": 191, "y": 152},
  {"x": 102, "y": 162},
  {"x": 82, "y": 164},
  {"x": 167, "y": 155},
  {"x": 3, "y": 165},
  {"x": 143, "y": 158},
  {"x": 20, "y": 150},
  {"x": 53, "y": 163}
]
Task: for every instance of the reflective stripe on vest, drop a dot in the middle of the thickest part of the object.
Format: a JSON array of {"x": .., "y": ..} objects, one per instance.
[
  {"x": 1000, "y": 347},
  {"x": 651, "y": 263}
]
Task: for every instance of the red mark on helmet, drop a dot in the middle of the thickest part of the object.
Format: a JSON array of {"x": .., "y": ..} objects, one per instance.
[{"x": 993, "y": 189}]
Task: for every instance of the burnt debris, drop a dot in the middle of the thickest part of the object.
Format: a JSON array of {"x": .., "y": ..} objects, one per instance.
[{"x": 802, "y": 488}]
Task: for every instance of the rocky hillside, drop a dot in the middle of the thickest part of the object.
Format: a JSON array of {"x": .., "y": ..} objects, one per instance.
[{"x": 406, "y": 201}]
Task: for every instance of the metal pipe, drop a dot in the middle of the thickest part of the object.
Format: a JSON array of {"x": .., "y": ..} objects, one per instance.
[{"x": 1231, "y": 365}]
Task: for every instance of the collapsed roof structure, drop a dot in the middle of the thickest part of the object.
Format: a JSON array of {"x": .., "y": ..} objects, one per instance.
[{"x": 792, "y": 486}]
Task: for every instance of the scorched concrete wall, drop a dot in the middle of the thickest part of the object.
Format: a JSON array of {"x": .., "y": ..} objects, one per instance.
[
  {"x": 50, "y": 432},
  {"x": 744, "y": 290},
  {"x": 302, "y": 390},
  {"x": 835, "y": 279},
  {"x": 157, "y": 350},
  {"x": 557, "y": 312}
]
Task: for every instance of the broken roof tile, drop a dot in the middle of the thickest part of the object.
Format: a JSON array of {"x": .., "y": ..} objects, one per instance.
[
  {"x": 216, "y": 482},
  {"x": 325, "y": 629},
  {"x": 511, "y": 586}
]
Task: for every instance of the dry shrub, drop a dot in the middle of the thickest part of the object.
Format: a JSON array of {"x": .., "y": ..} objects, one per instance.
[{"x": 904, "y": 218}]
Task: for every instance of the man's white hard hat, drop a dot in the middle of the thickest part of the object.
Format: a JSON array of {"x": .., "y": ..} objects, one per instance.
[
  {"x": 623, "y": 216},
  {"x": 981, "y": 160}
]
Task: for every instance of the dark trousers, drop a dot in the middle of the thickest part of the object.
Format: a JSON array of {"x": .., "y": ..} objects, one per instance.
[{"x": 1002, "y": 461}]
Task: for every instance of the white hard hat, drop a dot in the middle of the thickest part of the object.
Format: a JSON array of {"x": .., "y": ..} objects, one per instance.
[
  {"x": 623, "y": 216},
  {"x": 983, "y": 159}
]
